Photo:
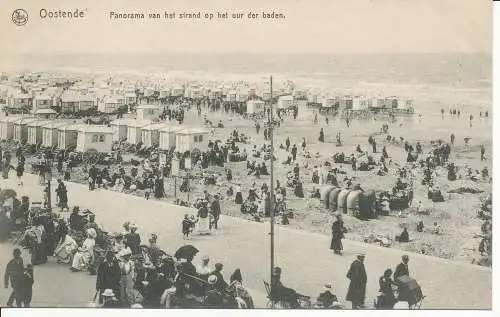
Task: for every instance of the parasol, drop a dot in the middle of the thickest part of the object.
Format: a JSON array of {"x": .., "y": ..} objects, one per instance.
[{"x": 185, "y": 252}]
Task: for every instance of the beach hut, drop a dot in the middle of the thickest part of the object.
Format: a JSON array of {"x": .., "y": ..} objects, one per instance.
[
  {"x": 147, "y": 112},
  {"x": 324, "y": 192},
  {"x": 49, "y": 133},
  {"x": 35, "y": 133},
  {"x": 407, "y": 105},
  {"x": 177, "y": 91},
  {"x": 46, "y": 114},
  {"x": 285, "y": 102},
  {"x": 150, "y": 134},
  {"x": 191, "y": 138},
  {"x": 134, "y": 130},
  {"x": 266, "y": 95},
  {"x": 367, "y": 204},
  {"x": 7, "y": 127},
  {"x": 255, "y": 106},
  {"x": 21, "y": 128},
  {"x": 94, "y": 137},
  {"x": 346, "y": 102},
  {"x": 70, "y": 102},
  {"x": 231, "y": 96},
  {"x": 333, "y": 199},
  {"x": 352, "y": 202},
  {"x": 43, "y": 101},
  {"x": 149, "y": 92},
  {"x": 342, "y": 200},
  {"x": 110, "y": 104},
  {"x": 391, "y": 102},
  {"x": 67, "y": 135},
  {"x": 119, "y": 127},
  {"x": 22, "y": 101},
  {"x": 167, "y": 137},
  {"x": 313, "y": 98},
  {"x": 86, "y": 102},
  {"x": 130, "y": 98},
  {"x": 359, "y": 103},
  {"x": 165, "y": 93},
  {"x": 242, "y": 96}
]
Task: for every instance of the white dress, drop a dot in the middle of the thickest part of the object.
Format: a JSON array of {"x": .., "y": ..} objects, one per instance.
[
  {"x": 82, "y": 258},
  {"x": 65, "y": 249}
]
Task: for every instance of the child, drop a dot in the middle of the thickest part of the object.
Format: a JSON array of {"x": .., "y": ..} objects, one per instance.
[
  {"x": 27, "y": 286},
  {"x": 187, "y": 226},
  {"x": 147, "y": 193}
]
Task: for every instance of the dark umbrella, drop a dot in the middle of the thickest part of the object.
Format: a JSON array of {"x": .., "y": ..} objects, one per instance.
[
  {"x": 8, "y": 193},
  {"x": 185, "y": 252}
]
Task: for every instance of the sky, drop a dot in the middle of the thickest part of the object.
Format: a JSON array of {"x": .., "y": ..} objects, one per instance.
[{"x": 310, "y": 26}]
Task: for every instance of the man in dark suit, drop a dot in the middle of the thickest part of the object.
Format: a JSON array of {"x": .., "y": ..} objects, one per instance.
[
  {"x": 402, "y": 268},
  {"x": 108, "y": 276},
  {"x": 145, "y": 283},
  {"x": 14, "y": 272},
  {"x": 357, "y": 286}
]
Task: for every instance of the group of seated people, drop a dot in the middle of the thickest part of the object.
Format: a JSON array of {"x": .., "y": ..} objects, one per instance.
[{"x": 257, "y": 169}]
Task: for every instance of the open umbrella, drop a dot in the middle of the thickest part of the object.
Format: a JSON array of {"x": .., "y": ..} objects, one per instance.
[
  {"x": 185, "y": 252},
  {"x": 8, "y": 193}
]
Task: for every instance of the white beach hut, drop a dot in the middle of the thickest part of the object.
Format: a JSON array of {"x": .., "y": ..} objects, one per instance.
[
  {"x": 47, "y": 114},
  {"x": 177, "y": 91},
  {"x": 67, "y": 135},
  {"x": 120, "y": 127},
  {"x": 150, "y": 134},
  {"x": 7, "y": 127},
  {"x": 148, "y": 112},
  {"x": 21, "y": 128},
  {"x": 35, "y": 132},
  {"x": 167, "y": 136},
  {"x": 43, "y": 101},
  {"x": 134, "y": 130},
  {"x": 95, "y": 137},
  {"x": 49, "y": 133},
  {"x": 255, "y": 106},
  {"x": 191, "y": 138},
  {"x": 285, "y": 102},
  {"x": 359, "y": 103}
]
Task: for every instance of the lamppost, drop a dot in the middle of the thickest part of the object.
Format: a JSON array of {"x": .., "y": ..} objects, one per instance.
[
  {"x": 187, "y": 166},
  {"x": 270, "y": 127},
  {"x": 48, "y": 179}
]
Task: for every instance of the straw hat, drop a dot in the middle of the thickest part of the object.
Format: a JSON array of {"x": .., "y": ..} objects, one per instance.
[
  {"x": 108, "y": 293},
  {"x": 212, "y": 279},
  {"x": 136, "y": 305}
]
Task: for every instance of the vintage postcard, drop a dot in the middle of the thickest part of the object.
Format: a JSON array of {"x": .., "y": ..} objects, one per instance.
[{"x": 321, "y": 154}]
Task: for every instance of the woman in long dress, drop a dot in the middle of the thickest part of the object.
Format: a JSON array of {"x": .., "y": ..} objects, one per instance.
[
  {"x": 203, "y": 221},
  {"x": 65, "y": 249},
  {"x": 337, "y": 234},
  {"x": 82, "y": 258},
  {"x": 127, "y": 268}
]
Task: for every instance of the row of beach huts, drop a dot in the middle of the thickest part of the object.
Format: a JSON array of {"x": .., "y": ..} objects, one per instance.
[{"x": 66, "y": 134}]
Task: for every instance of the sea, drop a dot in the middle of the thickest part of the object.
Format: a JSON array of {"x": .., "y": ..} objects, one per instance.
[{"x": 433, "y": 81}]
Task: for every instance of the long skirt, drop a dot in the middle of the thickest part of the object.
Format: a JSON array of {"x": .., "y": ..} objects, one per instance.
[
  {"x": 127, "y": 289},
  {"x": 204, "y": 225},
  {"x": 238, "y": 198},
  {"x": 81, "y": 260},
  {"x": 336, "y": 244}
]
